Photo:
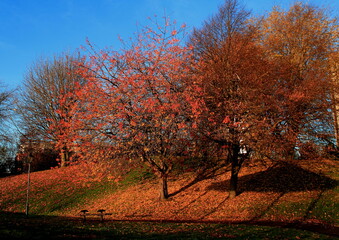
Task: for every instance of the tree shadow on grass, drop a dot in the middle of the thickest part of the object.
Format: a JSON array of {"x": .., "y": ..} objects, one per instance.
[
  {"x": 282, "y": 178},
  {"x": 206, "y": 173}
]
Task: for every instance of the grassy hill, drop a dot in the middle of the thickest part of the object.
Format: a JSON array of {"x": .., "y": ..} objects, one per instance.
[{"x": 299, "y": 192}]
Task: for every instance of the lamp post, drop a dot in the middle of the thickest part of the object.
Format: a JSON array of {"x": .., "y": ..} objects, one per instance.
[{"x": 28, "y": 184}]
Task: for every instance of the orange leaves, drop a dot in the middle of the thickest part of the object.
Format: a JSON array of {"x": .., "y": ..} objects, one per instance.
[
  {"x": 133, "y": 123},
  {"x": 135, "y": 98},
  {"x": 226, "y": 120},
  {"x": 297, "y": 96},
  {"x": 181, "y": 125},
  {"x": 173, "y": 41}
]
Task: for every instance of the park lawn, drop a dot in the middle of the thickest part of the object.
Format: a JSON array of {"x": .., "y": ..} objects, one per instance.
[
  {"x": 17, "y": 226},
  {"x": 299, "y": 195}
]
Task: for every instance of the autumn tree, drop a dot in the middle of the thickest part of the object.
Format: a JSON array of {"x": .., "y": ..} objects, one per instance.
[
  {"x": 6, "y": 111},
  {"x": 7, "y": 135},
  {"x": 139, "y": 97},
  {"x": 45, "y": 104},
  {"x": 235, "y": 94},
  {"x": 299, "y": 42}
]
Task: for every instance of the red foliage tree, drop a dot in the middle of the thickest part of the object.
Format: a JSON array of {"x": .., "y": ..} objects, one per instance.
[
  {"x": 234, "y": 77},
  {"x": 135, "y": 99}
]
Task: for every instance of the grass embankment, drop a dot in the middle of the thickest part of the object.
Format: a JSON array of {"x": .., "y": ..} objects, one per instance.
[{"x": 302, "y": 194}]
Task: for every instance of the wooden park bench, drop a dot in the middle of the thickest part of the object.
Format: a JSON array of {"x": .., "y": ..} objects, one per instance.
[{"x": 101, "y": 213}]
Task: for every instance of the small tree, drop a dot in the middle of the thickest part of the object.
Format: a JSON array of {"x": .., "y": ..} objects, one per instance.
[
  {"x": 40, "y": 155},
  {"x": 7, "y": 137},
  {"x": 7, "y": 163},
  {"x": 44, "y": 106},
  {"x": 6, "y": 110}
]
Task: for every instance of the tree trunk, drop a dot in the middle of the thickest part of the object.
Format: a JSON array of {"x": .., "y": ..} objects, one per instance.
[
  {"x": 292, "y": 139},
  {"x": 335, "y": 110},
  {"x": 235, "y": 168},
  {"x": 234, "y": 180},
  {"x": 335, "y": 100},
  {"x": 163, "y": 187},
  {"x": 336, "y": 124},
  {"x": 64, "y": 158},
  {"x": 162, "y": 171}
]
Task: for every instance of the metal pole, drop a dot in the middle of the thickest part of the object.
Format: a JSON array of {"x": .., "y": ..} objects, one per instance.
[{"x": 28, "y": 188}]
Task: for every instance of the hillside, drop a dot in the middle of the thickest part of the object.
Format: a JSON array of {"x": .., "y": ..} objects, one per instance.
[{"x": 303, "y": 191}]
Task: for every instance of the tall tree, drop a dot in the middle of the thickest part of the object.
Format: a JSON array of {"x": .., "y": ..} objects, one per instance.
[
  {"x": 234, "y": 78},
  {"x": 45, "y": 103},
  {"x": 300, "y": 42}
]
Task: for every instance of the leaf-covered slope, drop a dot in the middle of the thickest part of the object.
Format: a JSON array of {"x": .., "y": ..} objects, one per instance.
[{"x": 282, "y": 192}]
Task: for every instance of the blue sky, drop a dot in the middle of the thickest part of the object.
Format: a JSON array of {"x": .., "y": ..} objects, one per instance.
[{"x": 31, "y": 29}]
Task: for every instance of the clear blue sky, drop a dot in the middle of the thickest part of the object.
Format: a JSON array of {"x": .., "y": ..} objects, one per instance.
[{"x": 30, "y": 29}]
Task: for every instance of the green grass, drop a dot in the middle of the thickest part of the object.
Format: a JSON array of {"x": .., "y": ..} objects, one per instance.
[
  {"x": 137, "y": 175},
  {"x": 326, "y": 207},
  {"x": 16, "y": 226},
  {"x": 54, "y": 201},
  {"x": 57, "y": 198},
  {"x": 323, "y": 208},
  {"x": 51, "y": 200}
]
